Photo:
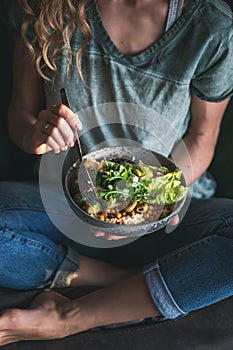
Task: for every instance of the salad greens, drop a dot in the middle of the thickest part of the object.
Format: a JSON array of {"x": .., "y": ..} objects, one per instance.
[{"x": 146, "y": 183}]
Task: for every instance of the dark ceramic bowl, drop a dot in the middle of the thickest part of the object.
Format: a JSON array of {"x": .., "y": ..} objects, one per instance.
[{"x": 130, "y": 153}]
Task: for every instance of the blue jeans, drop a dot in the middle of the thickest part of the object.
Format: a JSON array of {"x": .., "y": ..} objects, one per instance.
[{"x": 188, "y": 269}]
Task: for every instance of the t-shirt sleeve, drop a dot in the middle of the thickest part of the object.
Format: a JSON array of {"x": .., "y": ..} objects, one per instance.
[{"x": 214, "y": 82}]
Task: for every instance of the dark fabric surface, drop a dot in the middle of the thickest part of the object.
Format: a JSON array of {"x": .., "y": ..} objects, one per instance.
[{"x": 206, "y": 329}]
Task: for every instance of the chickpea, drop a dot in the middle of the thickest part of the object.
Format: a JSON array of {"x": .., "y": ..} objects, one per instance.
[
  {"x": 118, "y": 215},
  {"x": 102, "y": 217}
]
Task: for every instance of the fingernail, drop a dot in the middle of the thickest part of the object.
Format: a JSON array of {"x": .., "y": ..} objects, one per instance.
[
  {"x": 78, "y": 125},
  {"x": 71, "y": 144}
]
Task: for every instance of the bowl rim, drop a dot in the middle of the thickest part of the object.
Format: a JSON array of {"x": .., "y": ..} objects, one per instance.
[{"x": 103, "y": 224}]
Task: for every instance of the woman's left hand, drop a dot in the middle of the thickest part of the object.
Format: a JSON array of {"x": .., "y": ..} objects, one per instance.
[
  {"x": 110, "y": 237},
  {"x": 42, "y": 321},
  {"x": 175, "y": 221},
  {"x": 99, "y": 233}
]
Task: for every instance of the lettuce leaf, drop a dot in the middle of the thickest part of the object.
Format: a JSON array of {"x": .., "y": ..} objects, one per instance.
[{"x": 166, "y": 189}]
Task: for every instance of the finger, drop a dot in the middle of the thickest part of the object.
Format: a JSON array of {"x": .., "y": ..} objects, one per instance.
[
  {"x": 66, "y": 132},
  {"x": 61, "y": 132},
  {"x": 98, "y": 233},
  {"x": 46, "y": 117},
  {"x": 47, "y": 123},
  {"x": 174, "y": 221},
  {"x": 71, "y": 118},
  {"x": 110, "y": 237},
  {"x": 59, "y": 139},
  {"x": 53, "y": 144}
]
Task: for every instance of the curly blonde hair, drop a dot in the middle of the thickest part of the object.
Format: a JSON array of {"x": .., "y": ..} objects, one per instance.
[{"x": 54, "y": 22}]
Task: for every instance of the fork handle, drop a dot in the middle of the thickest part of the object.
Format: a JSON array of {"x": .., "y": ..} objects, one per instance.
[{"x": 65, "y": 101}]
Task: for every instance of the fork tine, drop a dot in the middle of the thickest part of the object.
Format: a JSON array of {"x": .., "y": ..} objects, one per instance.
[{"x": 86, "y": 185}]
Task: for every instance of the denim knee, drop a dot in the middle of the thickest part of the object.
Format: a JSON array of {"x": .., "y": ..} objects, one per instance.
[
  {"x": 29, "y": 261},
  {"x": 192, "y": 277}
]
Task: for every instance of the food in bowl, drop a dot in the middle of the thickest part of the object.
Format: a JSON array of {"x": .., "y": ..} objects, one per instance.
[{"x": 129, "y": 193}]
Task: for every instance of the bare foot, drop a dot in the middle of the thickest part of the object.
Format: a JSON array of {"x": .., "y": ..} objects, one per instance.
[{"x": 42, "y": 321}]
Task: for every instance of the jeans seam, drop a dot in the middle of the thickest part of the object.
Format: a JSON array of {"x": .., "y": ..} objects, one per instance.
[{"x": 21, "y": 208}]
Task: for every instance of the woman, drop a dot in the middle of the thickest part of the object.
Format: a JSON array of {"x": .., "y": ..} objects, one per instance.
[{"x": 172, "y": 56}]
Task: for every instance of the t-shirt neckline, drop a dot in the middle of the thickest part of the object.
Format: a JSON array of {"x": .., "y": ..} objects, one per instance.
[{"x": 166, "y": 38}]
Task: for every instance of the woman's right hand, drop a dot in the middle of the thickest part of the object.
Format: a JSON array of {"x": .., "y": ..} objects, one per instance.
[
  {"x": 32, "y": 128},
  {"x": 54, "y": 129}
]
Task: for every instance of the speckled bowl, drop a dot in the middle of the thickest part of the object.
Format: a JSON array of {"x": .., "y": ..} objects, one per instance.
[{"x": 130, "y": 153}]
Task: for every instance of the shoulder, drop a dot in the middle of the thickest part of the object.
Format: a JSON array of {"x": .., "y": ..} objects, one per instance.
[
  {"x": 212, "y": 22},
  {"x": 217, "y": 14},
  {"x": 217, "y": 6}
]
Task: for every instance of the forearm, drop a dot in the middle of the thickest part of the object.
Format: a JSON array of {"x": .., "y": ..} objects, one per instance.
[
  {"x": 127, "y": 300},
  {"x": 196, "y": 156},
  {"x": 194, "y": 153},
  {"x": 21, "y": 127},
  {"x": 27, "y": 99}
]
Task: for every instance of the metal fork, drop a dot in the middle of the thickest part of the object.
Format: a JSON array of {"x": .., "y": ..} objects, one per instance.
[{"x": 87, "y": 187}]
